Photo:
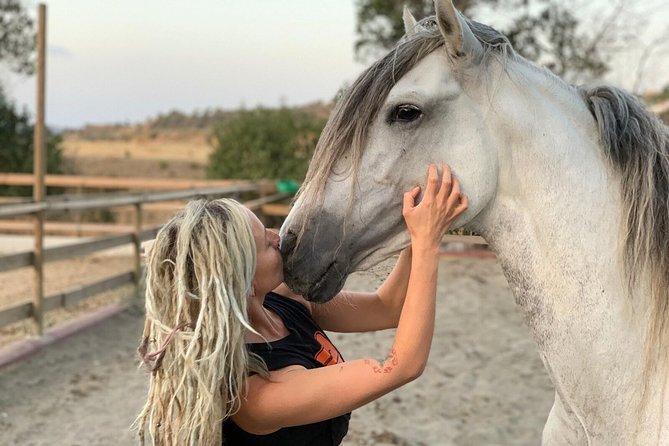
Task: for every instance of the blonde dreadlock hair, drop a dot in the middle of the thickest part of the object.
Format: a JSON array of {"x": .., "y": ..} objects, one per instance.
[{"x": 199, "y": 274}]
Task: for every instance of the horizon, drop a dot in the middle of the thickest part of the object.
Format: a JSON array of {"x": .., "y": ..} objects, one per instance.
[
  {"x": 158, "y": 114},
  {"x": 132, "y": 61}
]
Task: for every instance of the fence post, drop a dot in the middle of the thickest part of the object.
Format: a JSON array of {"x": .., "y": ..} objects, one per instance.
[
  {"x": 137, "y": 240},
  {"x": 39, "y": 168}
]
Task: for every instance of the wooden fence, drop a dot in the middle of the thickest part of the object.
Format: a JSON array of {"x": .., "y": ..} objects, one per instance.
[
  {"x": 126, "y": 183},
  {"x": 36, "y": 308},
  {"x": 79, "y": 186}
]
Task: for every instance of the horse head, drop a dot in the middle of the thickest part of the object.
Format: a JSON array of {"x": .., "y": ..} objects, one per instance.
[{"x": 413, "y": 107}]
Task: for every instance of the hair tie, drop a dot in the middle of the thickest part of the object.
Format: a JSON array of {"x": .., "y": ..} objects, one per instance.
[{"x": 157, "y": 355}]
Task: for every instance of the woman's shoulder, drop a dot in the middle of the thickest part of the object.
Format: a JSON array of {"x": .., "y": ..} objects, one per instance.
[{"x": 283, "y": 291}]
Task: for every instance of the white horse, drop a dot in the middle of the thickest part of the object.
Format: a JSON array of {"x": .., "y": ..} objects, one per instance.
[{"x": 570, "y": 188}]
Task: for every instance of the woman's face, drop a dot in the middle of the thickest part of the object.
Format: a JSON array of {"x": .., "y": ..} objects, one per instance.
[{"x": 269, "y": 264}]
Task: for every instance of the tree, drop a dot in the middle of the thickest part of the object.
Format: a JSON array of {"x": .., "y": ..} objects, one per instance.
[
  {"x": 17, "y": 45},
  {"x": 577, "y": 48},
  {"x": 16, "y": 145},
  {"x": 548, "y": 32},
  {"x": 379, "y": 22},
  {"x": 264, "y": 143},
  {"x": 17, "y": 37}
]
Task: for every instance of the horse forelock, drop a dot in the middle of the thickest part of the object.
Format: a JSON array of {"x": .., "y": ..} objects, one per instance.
[
  {"x": 636, "y": 142},
  {"x": 346, "y": 131}
]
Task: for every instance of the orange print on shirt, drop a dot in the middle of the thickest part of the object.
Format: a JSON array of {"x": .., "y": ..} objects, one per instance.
[{"x": 328, "y": 354}]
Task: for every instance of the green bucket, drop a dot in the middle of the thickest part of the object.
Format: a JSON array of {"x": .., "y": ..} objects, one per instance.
[{"x": 287, "y": 186}]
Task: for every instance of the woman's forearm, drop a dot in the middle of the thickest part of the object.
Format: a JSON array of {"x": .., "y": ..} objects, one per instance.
[
  {"x": 394, "y": 289},
  {"x": 416, "y": 323}
]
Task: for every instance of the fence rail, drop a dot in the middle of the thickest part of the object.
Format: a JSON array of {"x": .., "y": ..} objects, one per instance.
[
  {"x": 79, "y": 204},
  {"x": 134, "y": 235},
  {"x": 114, "y": 183}
]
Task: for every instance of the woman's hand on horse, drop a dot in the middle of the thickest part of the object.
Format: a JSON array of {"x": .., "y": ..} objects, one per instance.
[{"x": 442, "y": 203}]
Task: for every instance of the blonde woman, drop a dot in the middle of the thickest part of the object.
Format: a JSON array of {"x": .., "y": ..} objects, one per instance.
[{"x": 237, "y": 358}]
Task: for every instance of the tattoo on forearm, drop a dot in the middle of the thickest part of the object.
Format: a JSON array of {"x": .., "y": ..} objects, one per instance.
[{"x": 384, "y": 365}]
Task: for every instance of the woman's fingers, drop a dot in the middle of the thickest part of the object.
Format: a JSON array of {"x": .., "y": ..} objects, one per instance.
[
  {"x": 442, "y": 202},
  {"x": 451, "y": 193},
  {"x": 454, "y": 196},
  {"x": 446, "y": 182},
  {"x": 464, "y": 203},
  {"x": 432, "y": 182},
  {"x": 446, "y": 194},
  {"x": 409, "y": 199}
]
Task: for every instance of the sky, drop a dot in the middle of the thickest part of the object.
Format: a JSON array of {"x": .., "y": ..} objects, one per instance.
[{"x": 127, "y": 60}]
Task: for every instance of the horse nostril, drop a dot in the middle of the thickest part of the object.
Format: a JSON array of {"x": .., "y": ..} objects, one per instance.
[{"x": 287, "y": 243}]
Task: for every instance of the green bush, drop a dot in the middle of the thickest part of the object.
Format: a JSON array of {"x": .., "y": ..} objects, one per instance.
[
  {"x": 265, "y": 143},
  {"x": 16, "y": 146}
]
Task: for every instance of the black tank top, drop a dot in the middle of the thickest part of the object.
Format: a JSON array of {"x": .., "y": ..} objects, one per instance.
[{"x": 308, "y": 346}]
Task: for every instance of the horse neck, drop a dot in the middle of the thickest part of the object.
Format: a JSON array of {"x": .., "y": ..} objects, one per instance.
[{"x": 555, "y": 226}]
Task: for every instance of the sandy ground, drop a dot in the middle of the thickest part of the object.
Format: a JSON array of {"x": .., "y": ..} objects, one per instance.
[{"x": 484, "y": 384}]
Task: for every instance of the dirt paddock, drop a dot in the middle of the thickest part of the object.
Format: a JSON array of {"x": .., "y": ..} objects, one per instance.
[{"x": 484, "y": 384}]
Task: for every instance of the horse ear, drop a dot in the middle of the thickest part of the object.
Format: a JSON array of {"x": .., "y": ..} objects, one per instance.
[
  {"x": 459, "y": 38},
  {"x": 410, "y": 22}
]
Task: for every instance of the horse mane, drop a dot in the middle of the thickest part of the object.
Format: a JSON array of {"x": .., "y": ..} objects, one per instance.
[{"x": 636, "y": 143}]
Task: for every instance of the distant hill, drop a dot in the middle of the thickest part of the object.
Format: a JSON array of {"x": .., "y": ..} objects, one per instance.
[
  {"x": 658, "y": 102},
  {"x": 654, "y": 97},
  {"x": 171, "y": 145},
  {"x": 174, "y": 124}
]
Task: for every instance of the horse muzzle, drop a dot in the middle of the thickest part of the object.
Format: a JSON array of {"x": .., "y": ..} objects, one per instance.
[{"x": 310, "y": 273}]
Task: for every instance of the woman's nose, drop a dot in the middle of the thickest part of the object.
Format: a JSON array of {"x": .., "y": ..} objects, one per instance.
[{"x": 276, "y": 240}]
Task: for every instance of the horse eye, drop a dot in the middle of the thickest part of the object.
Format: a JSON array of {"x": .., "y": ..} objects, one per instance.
[{"x": 406, "y": 113}]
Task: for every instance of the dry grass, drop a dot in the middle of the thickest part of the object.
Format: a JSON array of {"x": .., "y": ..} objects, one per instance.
[
  {"x": 169, "y": 155},
  {"x": 193, "y": 148},
  {"x": 136, "y": 168}
]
